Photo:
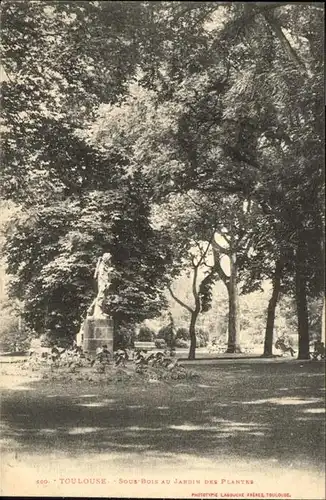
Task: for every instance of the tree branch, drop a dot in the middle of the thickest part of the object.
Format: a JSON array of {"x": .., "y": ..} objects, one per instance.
[
  {"x": 179, "y": 301},
  {"x": 205, "y": 252},
  {"x": 217, "y": 247},
  {"x": 272, "y": 21},
  {"x": 218, "y": 267},
  {"x": 226, "y": 238},
  {"x": 246, "y": 242},
  {"x": 198, "y": 205}
]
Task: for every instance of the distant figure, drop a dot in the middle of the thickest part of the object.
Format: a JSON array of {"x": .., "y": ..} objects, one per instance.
[
  {"x": 284, "y": 347},
  {"x": 172, "y": 331},
  {"x": 319, "y": 350},
  {"x": 102, "y": 273}
]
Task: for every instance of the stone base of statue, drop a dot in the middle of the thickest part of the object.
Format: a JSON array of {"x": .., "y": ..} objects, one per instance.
[
  {"x": 97, "y": 332},
  {"x": 97, "y": 329}
]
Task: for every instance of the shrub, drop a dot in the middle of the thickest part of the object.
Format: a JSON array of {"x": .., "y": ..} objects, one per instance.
[
  {"x": 56, "y": 357},
  {"x": 126, "y": 336},
  {"x": 202, "y": 338},
  {"x": 217, "y": 345},
  {"x": 160, "y": 366},
  {"x": 12, "y": 338},
  {"x": 146, "y": 334},
  {"x": 181, "y": 343},
  {"x": 120, "y": 357},
  {"x": 161, "y": 333},
  {"x": 50, "y": 339},
  {"x": 160, "y": 343},
  {"x": 14, "y": 341},
  {"x": 59, "y": 364},
  {"x": 46, "y": 340},
  {"x": 168, "y": 334},
  {"x": 182, "y": 333},
  {"x": 198, "y": 341}
]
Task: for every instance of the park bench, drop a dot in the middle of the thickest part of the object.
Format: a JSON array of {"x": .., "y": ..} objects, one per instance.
[{"x": 144, "y": 346}]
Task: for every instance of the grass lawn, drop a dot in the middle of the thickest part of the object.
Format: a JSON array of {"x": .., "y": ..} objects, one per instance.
[{"x": 242, "y": 420}]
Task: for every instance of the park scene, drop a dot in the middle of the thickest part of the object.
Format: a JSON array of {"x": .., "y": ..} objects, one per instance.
[{"x": 162, "y": 215}]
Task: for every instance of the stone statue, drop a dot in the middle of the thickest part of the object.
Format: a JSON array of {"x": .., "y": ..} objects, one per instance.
[
  {"x": 103, "y": 274},
  {"x": 96, "y": 330}
]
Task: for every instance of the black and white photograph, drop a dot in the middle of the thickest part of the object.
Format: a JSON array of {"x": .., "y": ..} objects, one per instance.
[{"x": 162, "y": 247}]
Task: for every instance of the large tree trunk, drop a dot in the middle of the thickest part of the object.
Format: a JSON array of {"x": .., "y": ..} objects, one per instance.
[
  {"x": 234, "y": 308},
  {"x": 301, "y": 300},
  {"x": 192, "y": 333},
  {"x": 268, "y": 344}
]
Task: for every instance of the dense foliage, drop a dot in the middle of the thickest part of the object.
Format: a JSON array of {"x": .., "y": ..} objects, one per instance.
[
  {"x": 119, "y": 114},
  {"x": 52, "y": 253}
]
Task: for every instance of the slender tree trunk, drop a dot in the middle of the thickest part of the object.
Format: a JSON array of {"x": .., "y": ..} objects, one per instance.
[
  {"x": 234, "y": 308},
  {"x": 301, "y": 300},
  {"x": 268, "y": 344},
  {"x": 116, "y": 334},
  {"x": 46, "y": 319},
  {"x": 192, "y": 333}
]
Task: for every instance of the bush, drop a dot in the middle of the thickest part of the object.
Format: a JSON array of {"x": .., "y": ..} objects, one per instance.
[
  {"x": 161, "y": 333},
  {"x": 126, "y": 336},
  {"x": 182, "y": 333},
  {"x": 181, "y": 343},
  {"x": 11, "y": 337},
  {"x": 120, "y": 357},
  {"x": 50, "y": 339},
  {"x": 160, "y": 343},
  {"x": 168, "y": 334},
  {"x": 161, "y": 366},
  {"x": 72, "y": 364},
  {"x": 46, "y": 340},
  {"x": 202, "y": 338},
  {"x": 146, "y": 334},
  {"x": 199, "y": 342}
]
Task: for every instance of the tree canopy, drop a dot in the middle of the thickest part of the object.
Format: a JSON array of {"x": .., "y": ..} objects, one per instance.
[{"x": 111, "y": 108}]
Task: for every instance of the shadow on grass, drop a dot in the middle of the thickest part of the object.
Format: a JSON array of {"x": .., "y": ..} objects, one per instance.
[{"x": 264, "y": 411}]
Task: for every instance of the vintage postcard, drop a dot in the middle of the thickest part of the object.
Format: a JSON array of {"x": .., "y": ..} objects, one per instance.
[{"x": 162, "y": 289}]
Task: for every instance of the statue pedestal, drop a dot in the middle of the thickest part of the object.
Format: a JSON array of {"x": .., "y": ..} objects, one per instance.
[{"x": 97, "y": 332}]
